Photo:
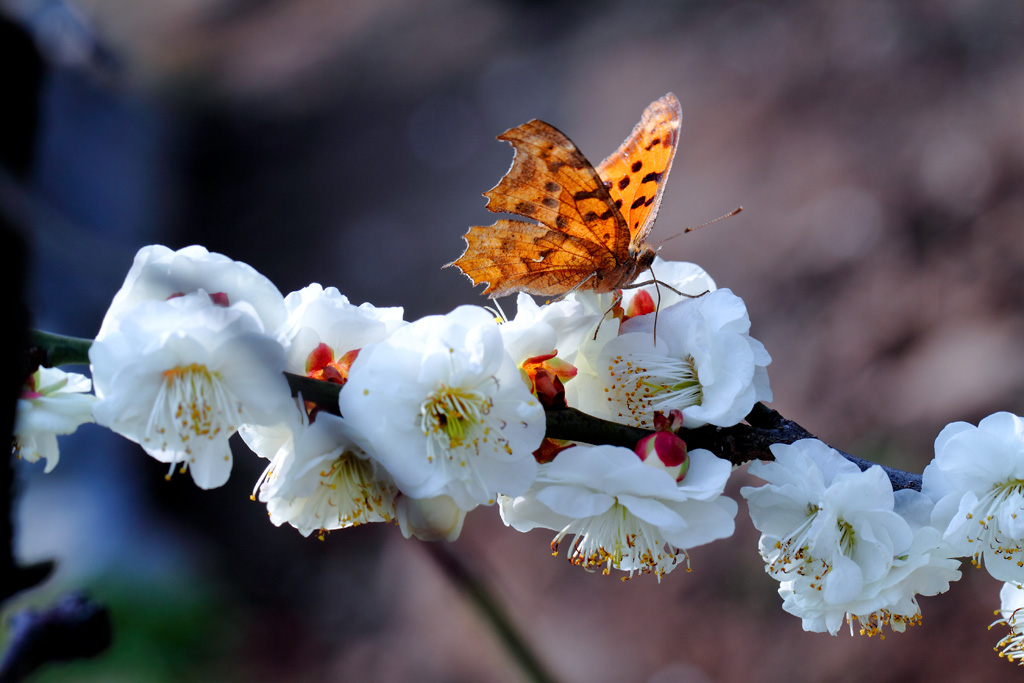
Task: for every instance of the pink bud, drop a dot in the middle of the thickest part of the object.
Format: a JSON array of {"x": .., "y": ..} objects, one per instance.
[
  {"x": 642, "y": 304},
  {"x": 670, "y": 451}
]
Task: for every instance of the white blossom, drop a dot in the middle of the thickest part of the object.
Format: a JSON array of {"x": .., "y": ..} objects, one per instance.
[
  {"x": 842, "y": 545},
  {"x": 319, "y": 478},
  {"x": 977, "y": 481},
  {"x": 622, "y": 513},
  {"x": 52, "y": 402},
  {"x": 1011, "y": 610},
  {"x": 703, "y": 362},
  {"x": 325, "y": 316},
  {"x": 159, "y": 273},
  {"x": 180, "y": 376},
  {"x": 540, "y": 329},
  {"x": 443, "y": 407}
]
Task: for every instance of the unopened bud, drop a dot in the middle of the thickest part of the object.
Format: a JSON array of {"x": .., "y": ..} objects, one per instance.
[
  {"x": 429, "y": 519},
  {"x": 670, "y": 452}
]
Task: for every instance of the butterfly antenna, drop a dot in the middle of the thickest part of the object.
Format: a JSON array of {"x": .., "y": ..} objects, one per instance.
[{"x": 732, "y": 213}]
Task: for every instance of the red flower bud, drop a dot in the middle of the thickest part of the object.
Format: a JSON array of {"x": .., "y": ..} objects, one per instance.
[{"x": 670, "y": 451}]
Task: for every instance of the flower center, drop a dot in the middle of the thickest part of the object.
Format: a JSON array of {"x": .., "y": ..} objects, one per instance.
[
  {"x": 619, "y": 539},
  {"x": 649, "y": 383},
  {"x": 192, "y": 403},
  {"x": 450, "y": 416},
  {"x": 847, "y": 538},
  {"x": 349, "y": 494},
  {"x": 792, "y": 554},
  {"x": 989, "y": 533},
  {"x": 1012, "y": 646}
]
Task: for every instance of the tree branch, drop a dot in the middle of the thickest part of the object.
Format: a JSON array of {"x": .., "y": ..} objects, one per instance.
[
  {"x": 738, "y": 444},
  {"x": 60, "y": 349}
]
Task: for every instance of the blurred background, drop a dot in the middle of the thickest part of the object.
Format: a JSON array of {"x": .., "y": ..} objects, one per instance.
[{"x": 877, "y": 149}]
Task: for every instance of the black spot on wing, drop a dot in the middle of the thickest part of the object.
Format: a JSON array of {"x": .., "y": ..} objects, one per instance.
[
  {"x": 652, "y": 143},
  {"x": 550, "y": 202},
  {"x": 580, "y": 195},
  {"x": 624, "y": 183},
  {"x": 638, "y": 202},
  {"x": 656, "y": 177},
  {"x": 637, "y": 165},
  {"x": 552, "y": 187}
]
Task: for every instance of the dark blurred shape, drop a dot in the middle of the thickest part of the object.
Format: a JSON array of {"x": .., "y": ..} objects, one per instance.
[
  {"x": 20, "y": 87},
  {"x": 65, "y": 37},
  {"x": 75, "y": 627},
  {"x": 21, "y": 95}
]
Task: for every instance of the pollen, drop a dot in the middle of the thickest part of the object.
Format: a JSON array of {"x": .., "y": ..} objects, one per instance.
[
  {"x": 995, "y": 543},
  {"x": 645, "y": 383},
  {"x": 458, "y": 426},
  {"x": 449, "y": 414},
  {"x": 192, "y": 404},
  {"x": 617, "y": 539}
]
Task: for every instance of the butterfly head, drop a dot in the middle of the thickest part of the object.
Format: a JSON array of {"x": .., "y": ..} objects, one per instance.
[{"x": 644, "y": 259}]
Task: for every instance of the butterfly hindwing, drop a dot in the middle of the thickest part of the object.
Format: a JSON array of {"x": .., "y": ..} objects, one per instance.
[
  {"x": 513, "y": 256},
  {"x": 636, "y": 172}
]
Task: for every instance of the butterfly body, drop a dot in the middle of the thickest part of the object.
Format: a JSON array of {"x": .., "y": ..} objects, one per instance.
[{"x": 591, "y": 223}]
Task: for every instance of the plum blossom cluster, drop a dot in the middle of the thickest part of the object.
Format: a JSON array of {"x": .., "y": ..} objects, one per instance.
[
  {"x": 438, "y": 416},
  {"x": 842, "y": 544},
  {"x": 435, "y": 416}
]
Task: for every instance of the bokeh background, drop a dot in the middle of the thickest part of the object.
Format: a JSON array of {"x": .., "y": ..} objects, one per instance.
[{"x": 876, "y": 147}]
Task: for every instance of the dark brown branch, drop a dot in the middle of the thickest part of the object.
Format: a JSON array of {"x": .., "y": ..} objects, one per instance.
[
  {"x": 323, "y": 394},
  {"x": 738, "y": 444}
]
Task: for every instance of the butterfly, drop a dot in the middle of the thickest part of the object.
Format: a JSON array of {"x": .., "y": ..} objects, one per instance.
[{"x": 591, "y": 223}]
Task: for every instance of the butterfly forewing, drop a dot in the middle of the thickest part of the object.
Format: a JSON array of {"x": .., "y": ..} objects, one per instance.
[
  {"x": 636, "y": 172},
  {"x": 552, "y": 182}
]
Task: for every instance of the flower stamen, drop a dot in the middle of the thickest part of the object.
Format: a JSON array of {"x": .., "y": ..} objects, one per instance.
[{"x": 192, "y": 403}]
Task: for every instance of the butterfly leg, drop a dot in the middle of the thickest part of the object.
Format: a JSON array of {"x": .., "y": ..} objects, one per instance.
[
  {"x": 575, "y": 288},
  {"x": 659, "y": 282},
  {"x": 615, "y": 302}
]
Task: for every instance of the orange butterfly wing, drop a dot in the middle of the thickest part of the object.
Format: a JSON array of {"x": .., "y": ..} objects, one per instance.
[
  {"x": 636, "y": 172},
  {"x": 582, "y": 237},
  {"x": 593, "y": 222}
]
